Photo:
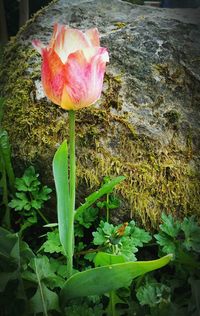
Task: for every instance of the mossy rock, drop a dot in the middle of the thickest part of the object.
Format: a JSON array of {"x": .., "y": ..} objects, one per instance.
[{"x": 146, "y": 125}]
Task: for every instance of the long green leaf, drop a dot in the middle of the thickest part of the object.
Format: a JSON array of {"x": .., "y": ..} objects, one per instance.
[
  {"x": 6, "y": 154},
  {"x": 60, "y": 172},
  {"x": 106, "y": 188},
  {"x": 108, "y": 278}
]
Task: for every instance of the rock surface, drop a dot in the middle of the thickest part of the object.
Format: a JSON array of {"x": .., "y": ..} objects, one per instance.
[{"x": 146, "y": 125}]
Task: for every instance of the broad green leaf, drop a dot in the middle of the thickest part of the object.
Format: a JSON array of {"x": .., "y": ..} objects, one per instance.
[
  {"x": 44, "y": 300},
  {"x": 106, "y": 188},
  {"x": 105, "y": 279},
  {"x": 105, "y": 259},
  {"x": 60, "y": 172},
  {"x": 41, "y": 271},
  {"x": 9, "y": 257}
]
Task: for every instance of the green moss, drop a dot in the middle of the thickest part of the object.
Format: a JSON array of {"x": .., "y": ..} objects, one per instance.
[
  {"x": 172, "y": 116},
  {"x": 171, "y": 73},
  {"x": 120, "y": 25},
  {"x": 112, "y": 95},
  {"x": 107, "y": 144}
]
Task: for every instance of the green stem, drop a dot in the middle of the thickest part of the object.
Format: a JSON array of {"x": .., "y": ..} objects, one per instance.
[
  {"x": 112, "y": 304},
  {"x": 107, "y": 208},
  {"x": 43, "y": 217},
  {"x": 72, "y": 187}
]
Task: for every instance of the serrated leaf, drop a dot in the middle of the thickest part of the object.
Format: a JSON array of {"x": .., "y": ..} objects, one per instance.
[
  {"x": 103, "y": 232},
  {"x": 20, "y": 203},
  {"x": 153, "y": 294},
  {"x": 36, "y": 204},
  {"x": 139, "y": 236},
  {"x": 87, "y": 217},
  {"x": 128, "y": 249},
  {"x": 52, "y": 244},
  {"x": 106, "y": 188},
  {"x": 166, "y": 242},
  {"x": 105, "y": 279},
  {"x": 192, "y": 234},
  {"x": 107, "y": 228},
  {"x": 170, "y": 226}
]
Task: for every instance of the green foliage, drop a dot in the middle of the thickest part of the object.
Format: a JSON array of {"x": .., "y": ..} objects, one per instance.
[
  {"x": 7, "y": 177},
  {"x": 105, "y": 259},
  {"x": 52, "y": 244},
  {"x": 88, "y": 216},
  {"x": 92, "y": 198},
  {"x": 107, "y": 278},
  {"x": 84, "y": 310},
  {"x": 14, "y": 255},
  {"x": 44, "y": 277},
  {"x": 153, "y": 294},
  {"x": 192, "y": 234},
  {"x": 113, "y": 203},
  {"x": 29, "y": 197},
  {"x": 30, "y": 284},
  {"x": 122, "y": 239},
  {"x": 176, "y": 292},
  {"x": 60, "y": 173},
  {"x": 178, "y": 237}
]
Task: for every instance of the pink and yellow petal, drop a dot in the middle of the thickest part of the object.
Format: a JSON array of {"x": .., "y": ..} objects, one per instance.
[
  {"x": 93, "y": 37},
  {"x": 53, "y": 75},
  {"x": 84, "y": 79},
  {"x": 66, "y": 41}
]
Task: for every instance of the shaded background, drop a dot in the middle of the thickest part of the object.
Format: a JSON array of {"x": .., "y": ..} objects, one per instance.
[{"x": 11, "y": 14}]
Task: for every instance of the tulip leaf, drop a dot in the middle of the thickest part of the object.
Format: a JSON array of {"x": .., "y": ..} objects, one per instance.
[
  {"x": 6, "y": 154},
  {"x": 108, "y": 278},
  {"x": 104, "y": 259},
  {"x": 60, "y": 172},
  {"x": 106, "y": 188}
]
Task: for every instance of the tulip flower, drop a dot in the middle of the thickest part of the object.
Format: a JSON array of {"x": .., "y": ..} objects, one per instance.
[{"x": 73, "y": 67}]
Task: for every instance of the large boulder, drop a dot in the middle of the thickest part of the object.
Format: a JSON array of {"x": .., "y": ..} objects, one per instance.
[{"x": 146, "y": 125}]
